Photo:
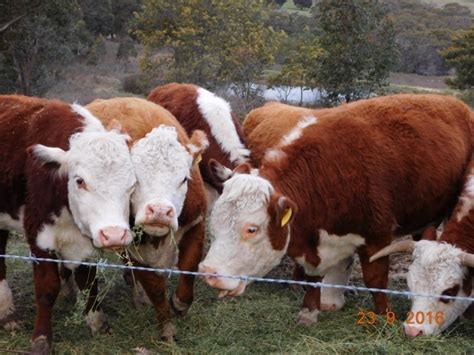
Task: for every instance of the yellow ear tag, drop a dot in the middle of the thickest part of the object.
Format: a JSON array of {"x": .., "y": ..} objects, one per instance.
[
  {"x": 198, "y": 159},
  {"x": 286, "y": 217}
]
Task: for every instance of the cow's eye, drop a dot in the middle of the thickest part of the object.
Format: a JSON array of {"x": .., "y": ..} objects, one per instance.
[
  {"x": 452, "y": 291},
  {"x": 252, "y": 230},
  {"x": 249, "y": 231},
  {"x": 81, "y": 184},
  {"x": 184, "y": 181}
]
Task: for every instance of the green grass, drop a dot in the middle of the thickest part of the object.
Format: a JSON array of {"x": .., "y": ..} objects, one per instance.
[
  {"x": 260, "y": 321},
  {"x": 291, "y": 7}
]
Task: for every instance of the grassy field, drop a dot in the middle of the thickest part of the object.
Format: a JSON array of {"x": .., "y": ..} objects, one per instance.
[{"x": 260, "y": 321}]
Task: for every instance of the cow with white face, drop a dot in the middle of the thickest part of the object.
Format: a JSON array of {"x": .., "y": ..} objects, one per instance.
[
  {"x": 341, "y": 181},
  {"x": 65, "y": 183},
  {"x": 169, "y": 201},
  {"x": 442, "y": 267}
]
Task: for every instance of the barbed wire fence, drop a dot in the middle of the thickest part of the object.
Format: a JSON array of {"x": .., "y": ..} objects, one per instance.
[{"x": 103, "y": 264}]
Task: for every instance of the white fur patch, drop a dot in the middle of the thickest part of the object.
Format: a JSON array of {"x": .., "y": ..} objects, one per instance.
[
  {"x": 96, "y": 321},
  {"x": 66, "y": 239},
  {"x": 467, "y": 197},
  {"x": 332, "y": 249},
  {"x": 217, "y": 113},
  {"x": 332, "y": 299},
  {"x": 12, "y": 224},
  {"x": 6, "y": 300},
  {"x": 436, "y": 267},
  {"x": 244, "y": 201},
  {"x": 91, "y": 123},
  {"x": 161, "y": 165},
  {"x": 297, "y": 131}
]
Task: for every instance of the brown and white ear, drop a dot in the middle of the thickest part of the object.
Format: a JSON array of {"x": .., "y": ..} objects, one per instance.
[
  {"x": 47, "y": 155},
  {"x": 285, "y": 210},
  {"x": 405, "y": 246},
  {"x": 198, "y": 145},
  {"x": 429, "y": 233},
  {"x": 219, "y": 172},
  {"x": 467, "y": 260}
]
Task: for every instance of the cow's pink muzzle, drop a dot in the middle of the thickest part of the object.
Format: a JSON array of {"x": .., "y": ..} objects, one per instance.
[
  {"x": 114, "y": 237},
  {"x": 220, "y": 283}
]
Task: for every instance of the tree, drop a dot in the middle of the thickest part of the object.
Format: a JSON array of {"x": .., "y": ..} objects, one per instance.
[
  {"x": 303, "y": 4},
  {"x": 358, "y": 47},
  {"x": 208, "y": 42},
  {"x": 460, "y": 56},
  {"x": 34, "y": 48}
]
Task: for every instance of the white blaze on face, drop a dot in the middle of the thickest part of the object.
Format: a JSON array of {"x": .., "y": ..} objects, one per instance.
[
  {"x": 242, "y": 208},
  {"x": 436, "y": 269},
  {"x": 163, "y": 167},
  {"x": 100, "y": 182}
]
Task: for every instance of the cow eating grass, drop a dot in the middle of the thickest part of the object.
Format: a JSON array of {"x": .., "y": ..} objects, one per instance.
[
  {"x": 65, "y": 183},
  {"x": 441, "y": 266},
  {"x": 344, "y": 180}
]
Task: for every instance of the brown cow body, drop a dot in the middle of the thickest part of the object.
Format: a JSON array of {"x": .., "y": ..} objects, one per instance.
[
  {"x": 357, "y": 175},
  {"x": 139, "y": 117},
  {"x": 197, "y": 108},
  {"x": 35, "y": 200}
]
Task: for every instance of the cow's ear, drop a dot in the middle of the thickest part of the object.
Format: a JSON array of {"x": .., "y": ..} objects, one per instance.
[
  {"x": 429, "y": 234},
  {"x": 284, "y": 209},
  {"x": 47, "y": 155},
  {"x": 219, "y": 172},
  {"x": 198, "y": 145}
]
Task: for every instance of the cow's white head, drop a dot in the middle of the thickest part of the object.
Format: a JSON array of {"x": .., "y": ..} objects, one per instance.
[
  {"x": 249, "y": 229},
  {"x": 163, "y": 166},
  {"x": 438, "y": 269},
  {"x": 100, "y": 181}
]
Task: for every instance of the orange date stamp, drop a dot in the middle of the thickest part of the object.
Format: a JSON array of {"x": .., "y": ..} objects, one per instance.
[{"x": 370, "y": 318}]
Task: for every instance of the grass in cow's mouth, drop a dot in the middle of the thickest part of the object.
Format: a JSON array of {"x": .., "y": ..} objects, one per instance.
[{"x": 263, "y": 320}]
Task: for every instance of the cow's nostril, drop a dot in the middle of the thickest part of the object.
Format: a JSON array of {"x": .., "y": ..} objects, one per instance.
[{"x": 170, "y": 213}]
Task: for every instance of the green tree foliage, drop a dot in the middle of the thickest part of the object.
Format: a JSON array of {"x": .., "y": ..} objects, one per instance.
[
  {"x": 422, "y": 31},
  {"x": 98, "y": 16},
  {"x": 358, "y": 48},
  {"x": 460, "y": 55},
  {"x": 208, "y": 42},
  {"x": 34, "y": 48},
  {"x": 303, "y": 4}
]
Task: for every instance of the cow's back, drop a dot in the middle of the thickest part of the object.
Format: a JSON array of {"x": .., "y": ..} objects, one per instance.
[
  {"x": 136, "y": 116},
  {"x": 392, "y": 163},
  {"x": 265, "y": 126}
]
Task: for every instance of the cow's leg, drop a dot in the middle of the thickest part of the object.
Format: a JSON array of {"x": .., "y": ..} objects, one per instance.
[
  {"x": 7, "y": 308},
  {"x": 68, "y": 289},
  {"x": 375, "y": 275},
  {"x": 47, "y": 286},
  {"x": 332, "y": 299},
  {"x": 190, "y": 255},
  {"x": 155, "y": 288},
  {"x": 86, "y": 280},
  {"x": 308, "y": 315}
]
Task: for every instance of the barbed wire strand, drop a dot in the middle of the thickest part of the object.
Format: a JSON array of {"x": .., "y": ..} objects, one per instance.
[{"x": 101, "y": 264}]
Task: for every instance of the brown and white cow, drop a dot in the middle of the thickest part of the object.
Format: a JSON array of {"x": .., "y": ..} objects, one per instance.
[
  {"x": 345, "y": 180},
  {"x": 197, "y": 108},
  {"x": 66, "y": 183},
  {"x": 441, "y": 266},
  {"x": 169, "y": 200}
]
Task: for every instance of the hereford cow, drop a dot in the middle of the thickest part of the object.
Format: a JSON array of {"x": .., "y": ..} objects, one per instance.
[
  {"x": 65, "y": 182},
  {"x": 169, "y": 201},
  {"x": 441, "y": 266},
  {"x": 345, "y": 180},
  {"x": 197, "y": 108}
]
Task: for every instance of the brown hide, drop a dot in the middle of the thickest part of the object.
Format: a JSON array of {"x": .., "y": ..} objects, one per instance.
[
  {"x": 180, "y": 100},
  {"x": 376, "y": 167},
  {"x": 24, "y": 122}
]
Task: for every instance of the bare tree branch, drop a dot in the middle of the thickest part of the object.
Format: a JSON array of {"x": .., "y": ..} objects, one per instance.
[{"x": 11, "y": 22}]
